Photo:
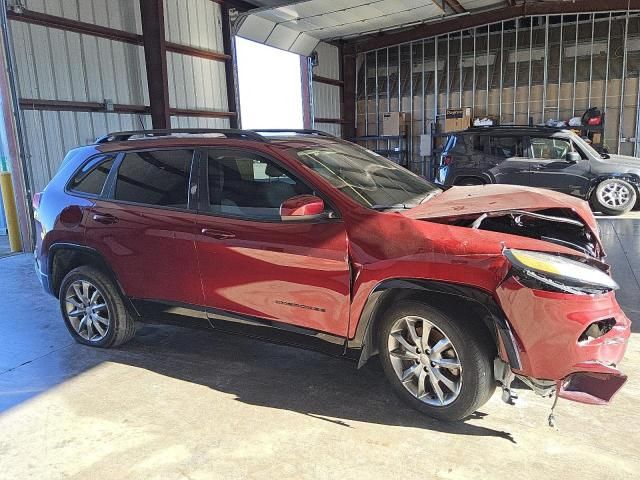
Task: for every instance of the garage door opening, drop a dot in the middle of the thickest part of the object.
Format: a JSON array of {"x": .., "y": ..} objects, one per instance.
[{"x": 270, "y": 86}]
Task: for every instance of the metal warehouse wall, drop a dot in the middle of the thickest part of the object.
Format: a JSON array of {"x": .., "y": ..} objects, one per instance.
[
  {"x": 194, "y": 82},
  {"x": 52, "y": 64},
  {"x": 55, "y": 66},
  {"x": 327, "y": 89},
  {"x": 557, "y": 65}
]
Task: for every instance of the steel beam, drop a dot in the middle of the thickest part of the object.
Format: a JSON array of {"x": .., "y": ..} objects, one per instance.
[
  {"x": 465, "y": 22},
  {"x": 230, "y": 71},
  {"x": 349, "y": 93},
  {"x": 155, "y": 55}
]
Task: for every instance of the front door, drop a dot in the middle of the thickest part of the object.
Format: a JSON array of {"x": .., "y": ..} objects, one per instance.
[
  {"x": 145, "y": 230},
  {"x": 256, "y": 266},
  {"x": 509, "y": 160},
  {"x": 550, "y": 168}
]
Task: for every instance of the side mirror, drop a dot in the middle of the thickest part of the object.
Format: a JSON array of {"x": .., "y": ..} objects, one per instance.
[
  {"x": 573, "y": 157},
  {"x": 302, "y": 207}
]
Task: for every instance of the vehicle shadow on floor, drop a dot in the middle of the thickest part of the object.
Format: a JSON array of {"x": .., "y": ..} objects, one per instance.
[{"x": 276, "y": 376}]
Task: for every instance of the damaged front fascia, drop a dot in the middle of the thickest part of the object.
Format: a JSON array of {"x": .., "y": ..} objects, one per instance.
[{"x": 561, "y": 230}]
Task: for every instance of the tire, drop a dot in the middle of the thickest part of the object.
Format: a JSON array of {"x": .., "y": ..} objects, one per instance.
[
  {"x": 472, "y": 349},
  {"x": 613, "y": 197},
  {"x": 107, "y": 304},
  {"x": 469, "y": 181}
]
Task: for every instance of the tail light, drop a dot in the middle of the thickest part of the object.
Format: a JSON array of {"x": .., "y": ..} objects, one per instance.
[
  {"x": 447, "y": 160},
  {"x": 35, "y": 201}
]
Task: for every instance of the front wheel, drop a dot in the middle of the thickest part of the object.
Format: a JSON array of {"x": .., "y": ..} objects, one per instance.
[
  {"x": 614, "y": 197},
  {"x": 439, "y": 366}
]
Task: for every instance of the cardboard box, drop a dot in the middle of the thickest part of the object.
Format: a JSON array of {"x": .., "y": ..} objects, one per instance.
[
  {"x": 457, "y": 119},
  {"x": 394, "y": 123}
]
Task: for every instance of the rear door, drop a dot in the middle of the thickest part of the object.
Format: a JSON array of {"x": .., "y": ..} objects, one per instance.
[
  {"x": 550, "y": 168},
  {"x": 144, "y": 227},
  {"x": 508, "y": 156},
  {"x": 254, "y": 266}
]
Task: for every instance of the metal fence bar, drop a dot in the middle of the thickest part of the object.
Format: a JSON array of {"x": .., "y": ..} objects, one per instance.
[
  {"x": 606, "y": 79},
  {"x": 593, "y": 24},
  {"x": 366, "y": 96},
  {"x": 515, "y": 74},
  {"x": 545, "y": 77},
  {"x": 486, "y": 100},
  {"x": 473, "y": 85},
  {"x": 575, "y": 69},
  {"x": 560, "y": 68},
  {"x": 623, "y": 80},
  {"x": 501, "y": 70},
  {"x": 448, "y": 56},
  {"x": 529, "y": 88},
  {"x": 460, "y": 77}
]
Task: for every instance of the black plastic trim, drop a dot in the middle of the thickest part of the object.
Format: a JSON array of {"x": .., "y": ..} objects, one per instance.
[{"x": 364, "y": 340}]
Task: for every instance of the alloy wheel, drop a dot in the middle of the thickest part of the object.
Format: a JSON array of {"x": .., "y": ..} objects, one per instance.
[
  {"x": 425, "y": 361},
  {"x": 87, "y": 310},
  {"x": 614, "y": 195}
]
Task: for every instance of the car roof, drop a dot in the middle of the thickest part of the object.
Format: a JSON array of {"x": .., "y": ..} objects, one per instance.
[{"x": 520, "y": 129}]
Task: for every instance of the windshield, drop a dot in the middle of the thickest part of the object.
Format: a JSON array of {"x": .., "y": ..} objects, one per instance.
[
  {"x": 369, "y": 179},
  {"x": 587, "y": 147}
]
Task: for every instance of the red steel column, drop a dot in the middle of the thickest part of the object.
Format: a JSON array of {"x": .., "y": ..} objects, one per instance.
[{"x": 155, "y": 55}]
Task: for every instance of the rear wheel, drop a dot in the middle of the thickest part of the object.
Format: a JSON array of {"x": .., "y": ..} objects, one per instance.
[
  {"x": 93, "y": 309},
  {"x": 614, "y": 197},
  {"x": 439, "y": 366},
  {"x": 469, "y": 181}
]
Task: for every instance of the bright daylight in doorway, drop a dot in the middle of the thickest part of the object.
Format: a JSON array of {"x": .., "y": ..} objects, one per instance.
[{"x": 270, "y": 86}]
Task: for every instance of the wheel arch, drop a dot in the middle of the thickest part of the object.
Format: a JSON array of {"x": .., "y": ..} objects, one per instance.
[
  {"x": 438, "y": 295},
  {"x": 479, "y": 177},
  {"x": 630, "y": 178},
  {"x": 64, "y": 257}
]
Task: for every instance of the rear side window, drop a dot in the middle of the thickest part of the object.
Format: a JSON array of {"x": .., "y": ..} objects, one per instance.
[
  {"x": 90, "y": 179},
  {"x": 506, "y": 147},
  {"x": 155, "y": 178}
]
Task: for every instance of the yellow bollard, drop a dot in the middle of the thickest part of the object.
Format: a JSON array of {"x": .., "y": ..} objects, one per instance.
[{"x": 6, "y": 187}]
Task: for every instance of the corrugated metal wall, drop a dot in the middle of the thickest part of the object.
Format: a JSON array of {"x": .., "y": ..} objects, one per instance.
[
  {"x": 327, "y": 98},
  {"x": 557, "y": 66},
  {"x": 52, "y": 64},
  {"x": 195, "y": 83},
  {"x": 56, "y": 64}
]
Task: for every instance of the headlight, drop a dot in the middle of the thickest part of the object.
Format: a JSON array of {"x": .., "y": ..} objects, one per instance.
[{"x": 543, "y": 271}]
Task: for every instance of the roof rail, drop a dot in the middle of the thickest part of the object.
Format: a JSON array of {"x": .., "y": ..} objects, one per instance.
[
  {"x": 228, "y": 132},
  {"x": 307, "y": 131}
]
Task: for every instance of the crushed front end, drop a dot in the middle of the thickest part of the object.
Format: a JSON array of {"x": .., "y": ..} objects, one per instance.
[{"x": 570, "y": 331}]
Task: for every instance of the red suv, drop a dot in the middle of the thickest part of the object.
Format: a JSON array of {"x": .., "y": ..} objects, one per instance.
[{"x": 302, "y": 238}]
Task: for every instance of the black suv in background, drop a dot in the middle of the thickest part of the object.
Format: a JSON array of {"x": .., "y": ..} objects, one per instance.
[{"x": 552, "y": 158}]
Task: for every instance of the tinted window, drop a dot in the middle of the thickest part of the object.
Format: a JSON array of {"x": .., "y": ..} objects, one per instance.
[
  {"x": 550, "y": 148},
  {"x": 155, "y": 178},
  {"x": 248, "y": 185},
  {"x": 506, "y": 147},
  {"x": 91, "y": 178}
]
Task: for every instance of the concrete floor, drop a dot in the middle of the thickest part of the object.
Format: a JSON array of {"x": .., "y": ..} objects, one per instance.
[{"x": 176, "y": 403}]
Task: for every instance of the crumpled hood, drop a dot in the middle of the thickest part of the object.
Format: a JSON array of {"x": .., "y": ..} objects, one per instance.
[{"x": 461, "y": 201}]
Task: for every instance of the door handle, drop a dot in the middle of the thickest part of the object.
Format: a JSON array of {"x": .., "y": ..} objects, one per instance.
[
  {"x": 537, "y": 167},
  {"x": 218, "y": 234},
  {"x": 105, "y": 218}
]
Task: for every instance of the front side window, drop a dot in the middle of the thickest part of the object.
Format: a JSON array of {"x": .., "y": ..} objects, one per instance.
[
  {"x": 248, "y": 185},
  {"x": 549, "y": 148},
  {"x": 366, "y": 177},
  {"x": 155, "y": 178},
  {"x": 91, "y": 177},
  {"x": 506, "y": 147}
]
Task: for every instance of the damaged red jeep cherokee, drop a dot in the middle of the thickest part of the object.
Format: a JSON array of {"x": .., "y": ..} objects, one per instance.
[{"x": 302, "y": 238}]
